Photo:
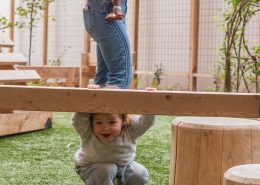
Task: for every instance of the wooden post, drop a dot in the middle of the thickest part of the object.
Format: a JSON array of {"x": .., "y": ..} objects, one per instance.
[
  {"x": 71, "y": 78},
  {"x": 134, "y": 38},
  {"x": 195, "y": 9},
  {"x": 243, "y": 174},
  {"x": 84, "y": 77},
  {"x": 45, "y": 33},
  {"x": 11, "y": 33}
]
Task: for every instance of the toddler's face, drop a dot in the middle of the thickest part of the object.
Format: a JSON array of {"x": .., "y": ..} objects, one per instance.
[{"x": 107, "y": 127}]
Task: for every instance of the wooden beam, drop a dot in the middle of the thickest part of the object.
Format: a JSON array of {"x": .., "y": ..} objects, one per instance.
[
  {"x": 195, "y": 12},
  {"x": 70, "y": 74},
  {"x": 12, "y": 59},
  {"x": 7, "y": 76},
  {"x": 45, "y": 33},
  {"x": 134, "y": 37},
  {"x": 129, "y": 101},
  {"x": 51, "y": 71},
  {"x": 85, "y": 59}
]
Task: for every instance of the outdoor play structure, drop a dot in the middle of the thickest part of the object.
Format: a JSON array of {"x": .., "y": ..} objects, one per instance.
[
  {"x": 183, "y": 37},
  {"x": 202, "y": 148},
  {"x": 13, "y": 121}
]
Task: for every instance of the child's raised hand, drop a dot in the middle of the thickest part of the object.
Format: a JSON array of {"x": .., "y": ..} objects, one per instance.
[{"x": 93, "y": 86}]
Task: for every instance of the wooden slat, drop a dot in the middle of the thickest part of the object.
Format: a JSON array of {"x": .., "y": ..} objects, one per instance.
[
  {"x": 12, "y": 59},
  {"x": 18, "y": 75},
  {"x": 51, "y": 71},
  {"x": 6, "y": 41},
  {"x": 129, "y": 101},
  {"x": 162, "y": 74},
  {"x": 71, "y": 74}
]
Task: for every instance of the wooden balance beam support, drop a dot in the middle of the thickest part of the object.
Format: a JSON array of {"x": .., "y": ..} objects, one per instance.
[
  {"x": 129, "y": 101},
  {"x": 71, "y": 74},
  {"x": 12, "y": 59},
  {"x": 23, "y": 121},
  {"x": 18, "y": 76}
]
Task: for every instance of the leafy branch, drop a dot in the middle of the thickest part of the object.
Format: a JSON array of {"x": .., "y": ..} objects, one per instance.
[{"x": 239, "y": 61}]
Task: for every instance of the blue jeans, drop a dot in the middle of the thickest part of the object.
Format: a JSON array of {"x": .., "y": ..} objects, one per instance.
[
  {"x": 105, "y": 174},
  {"x": 114, "y": 66}
]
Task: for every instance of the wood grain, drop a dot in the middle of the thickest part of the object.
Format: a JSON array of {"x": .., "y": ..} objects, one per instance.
[{"x": 129, "y": 101}]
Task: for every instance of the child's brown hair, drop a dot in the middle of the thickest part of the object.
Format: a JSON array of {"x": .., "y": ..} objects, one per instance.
[{"x": 127, "y": 119}]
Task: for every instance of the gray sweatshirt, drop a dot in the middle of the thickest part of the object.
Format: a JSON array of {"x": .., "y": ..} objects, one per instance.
[{"x": 121, "y": 151}]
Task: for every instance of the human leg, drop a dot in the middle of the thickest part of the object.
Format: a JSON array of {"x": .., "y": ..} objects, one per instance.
[
  {"x": 97, "y": 173},
  {"x": 102, "y": 70},
  {"x": 113, "y": 41},
  {"x": 134, "y": 174}
]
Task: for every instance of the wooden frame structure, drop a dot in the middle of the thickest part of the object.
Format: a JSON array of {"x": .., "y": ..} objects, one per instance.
[
  {"x": 70, "y": 74},
  {"x": 88, "y": 64},
  {"x": 129, "y": 101}
]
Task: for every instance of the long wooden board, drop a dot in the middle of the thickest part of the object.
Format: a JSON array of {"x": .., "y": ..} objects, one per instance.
[
  {"x": 71, "y": 74},
  {"x": 12, "y": 59},
  {"x": 18, "y": 75},
  {"x": 51, "y": 71},
  {"x": 129, "y": 101}
]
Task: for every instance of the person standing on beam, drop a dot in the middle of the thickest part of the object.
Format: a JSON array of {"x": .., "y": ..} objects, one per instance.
[{"x": 105, "y": 22}]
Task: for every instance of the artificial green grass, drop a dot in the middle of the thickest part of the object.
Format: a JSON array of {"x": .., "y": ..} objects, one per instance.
[{"x": 45, "y": 157}]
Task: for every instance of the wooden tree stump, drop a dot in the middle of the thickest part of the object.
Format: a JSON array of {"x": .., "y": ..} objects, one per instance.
[
  {"x": 203, "y": 148},
  {"x": 243, "y": 174}
]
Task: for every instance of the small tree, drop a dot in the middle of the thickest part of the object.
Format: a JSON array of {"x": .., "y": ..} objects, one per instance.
[
  {"x": 31, "y": 11},
  {"x": 240, "y": 62}
]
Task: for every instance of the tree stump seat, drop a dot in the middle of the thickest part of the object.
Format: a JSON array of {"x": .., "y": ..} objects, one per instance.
[{"x": 203, "y": 148}]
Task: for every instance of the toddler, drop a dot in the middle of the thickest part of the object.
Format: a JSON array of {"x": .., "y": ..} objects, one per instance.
[{"x": 108, "y": 146}]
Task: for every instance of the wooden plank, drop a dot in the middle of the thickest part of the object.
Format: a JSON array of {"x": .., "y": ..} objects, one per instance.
[
  {"x": 18, "y": 75},
  {"x": 51, "y": 71},
  {"x": 162, "y": 74},
  {"x": 5, "y": 41},
  {"x": 12, "y": 59},
  {"x": 71, "y": 74},
  {"x": 129, "y": 101}
]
